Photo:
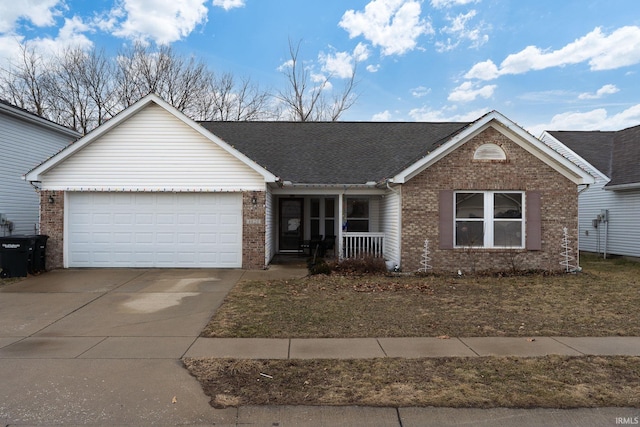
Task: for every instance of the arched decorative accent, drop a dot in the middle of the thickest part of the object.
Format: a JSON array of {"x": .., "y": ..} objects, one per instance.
[{"x": 489, "y": 151}]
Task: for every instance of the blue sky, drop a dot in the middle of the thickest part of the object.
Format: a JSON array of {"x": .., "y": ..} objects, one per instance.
[{"x": 545, "y": 64}]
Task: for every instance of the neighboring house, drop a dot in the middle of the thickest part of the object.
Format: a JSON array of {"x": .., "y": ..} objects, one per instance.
[
  {"x": 26, "y": 140},
  {"x": 609, "y": 210},
  {"x": 152, "y": 188}
]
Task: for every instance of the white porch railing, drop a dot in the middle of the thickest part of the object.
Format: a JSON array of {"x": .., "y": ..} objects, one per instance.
[{"x": 361, "y": 245}]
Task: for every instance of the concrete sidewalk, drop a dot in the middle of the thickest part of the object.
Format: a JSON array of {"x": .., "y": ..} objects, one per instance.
[
  {"x": 103, "y": 347},
  {"x": 366, "y": 348}
]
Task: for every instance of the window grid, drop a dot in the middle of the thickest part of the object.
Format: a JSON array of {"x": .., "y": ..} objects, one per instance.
[{"x": 488, "y": 227}]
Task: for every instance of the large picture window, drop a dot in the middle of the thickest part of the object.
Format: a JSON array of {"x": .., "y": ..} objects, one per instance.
[{"x": 489, "y": 219}]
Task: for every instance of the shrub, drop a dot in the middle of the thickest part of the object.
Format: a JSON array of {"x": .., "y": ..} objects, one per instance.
[
  {"x": 320, "y": 266},
  {"x": 368, "y": 265}
]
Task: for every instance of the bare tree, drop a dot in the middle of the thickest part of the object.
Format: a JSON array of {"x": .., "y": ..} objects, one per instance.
[
  {"x": 306, "y": 96},
  {"x": 72, "y": 104},
  {"x": 97, "y": 77},
  {"x": 23, "y": 84},
  {"x": 83, "y": 88},
  {"x": 181, "y": 82},
  {"x": 230, "y": 100}
]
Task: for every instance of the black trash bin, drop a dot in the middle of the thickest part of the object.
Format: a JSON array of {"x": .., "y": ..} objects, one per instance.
[
  {"x": 17, "y": 252},
  {"x": 38, "y": 258}
]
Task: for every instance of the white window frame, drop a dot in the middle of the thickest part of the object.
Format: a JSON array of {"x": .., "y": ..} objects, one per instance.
[
  {"x": 489, "y": 220},
  {"x": 367, "y": 218}
]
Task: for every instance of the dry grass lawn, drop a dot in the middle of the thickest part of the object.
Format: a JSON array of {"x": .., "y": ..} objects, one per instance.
[
  {"x": 601, "y": 301},
  {"x": 547, "y": 382}
]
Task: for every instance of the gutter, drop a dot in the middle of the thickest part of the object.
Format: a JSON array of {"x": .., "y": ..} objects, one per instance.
[
  {"x": 289, "y": 184},
  {"x": 34, "y": 118},
  {"x": 622, "y": 187}
]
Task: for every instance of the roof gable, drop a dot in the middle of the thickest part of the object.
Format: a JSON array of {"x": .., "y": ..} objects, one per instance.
[
  {"x": 517, "y": 134},
  {"x": 130, "y": 113}
]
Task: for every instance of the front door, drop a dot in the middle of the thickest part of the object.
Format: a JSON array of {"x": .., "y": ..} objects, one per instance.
[{"x": 291, "y": 222}]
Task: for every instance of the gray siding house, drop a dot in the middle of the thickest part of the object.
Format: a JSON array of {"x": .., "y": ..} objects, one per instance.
[
  {"x": 25, "y": 141},
  {"x": 609, "y": 209}
]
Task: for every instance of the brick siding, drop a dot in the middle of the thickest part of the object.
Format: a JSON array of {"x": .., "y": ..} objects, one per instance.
[
  {"x": 52, "y": 225},
  {"x": 253, "y": 230},
  {"x": 458, "y": 171}
]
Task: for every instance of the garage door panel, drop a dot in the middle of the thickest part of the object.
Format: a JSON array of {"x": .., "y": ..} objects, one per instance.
[
  {"x": 165, "y": 219},
  {"x": 154, "y": 230},
  {"x": 208, "y": 238}
]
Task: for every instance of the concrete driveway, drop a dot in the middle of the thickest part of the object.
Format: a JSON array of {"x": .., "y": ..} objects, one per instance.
[{"x": 103, "y": 346}]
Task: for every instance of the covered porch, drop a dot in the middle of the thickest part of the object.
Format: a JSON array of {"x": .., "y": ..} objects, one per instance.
[{"x": 339, "y": 223}]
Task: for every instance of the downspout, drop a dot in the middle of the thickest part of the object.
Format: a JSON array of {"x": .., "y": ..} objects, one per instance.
[{"x": 398, "y": 266}]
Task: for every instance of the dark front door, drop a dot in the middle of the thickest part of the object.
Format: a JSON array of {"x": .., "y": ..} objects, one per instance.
[{"x": 291, "y": 222}]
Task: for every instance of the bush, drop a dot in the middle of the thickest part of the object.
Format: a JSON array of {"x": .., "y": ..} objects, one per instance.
[
  {"x": 320, "y": 266},
  {"x": 368, "y": 265}
]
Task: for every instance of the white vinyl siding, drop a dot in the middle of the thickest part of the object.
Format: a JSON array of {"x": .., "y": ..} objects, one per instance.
[
  {"x": 270, "y": 228},
  {"x": 24, "y": 145},
  {"x": 623, "y": 229},
  {"x": 154, "y": 230},
  {"x": 152, "y": 151},
  {"x": 391, "y": 224}
]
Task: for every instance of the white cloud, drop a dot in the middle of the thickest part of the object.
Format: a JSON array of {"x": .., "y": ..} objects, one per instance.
[
  {"x": 604, "y": 90},
  {"x": 10, "y": 48},
  {"x": 228, "y": 4},
  {"x": 342, "y": 64},
  {"x": 598, "y": 119},
  {"x": 361, "y": 52},
  {"x": 441, "y": 4},
  {"x": 486, "y": 70},
  {"x": 459, "y": 30},
  {"x": 373, "y": 68},
  {"x": 384, "y": 116},
  {"x": 40, "y": 13},
  {"x": 420, "y": 91},
  {"x": 159, "y": 20},
  {"x": 286, "y": 64},
  {"x": 71, "y": 34},
  {"x": 338, "y": 64},
  {"x": 393, "y": 25},
  {"x": 469, "y": 91},
  {"x": 447, "y": 114},
  {"x": 602, "y": 52}
]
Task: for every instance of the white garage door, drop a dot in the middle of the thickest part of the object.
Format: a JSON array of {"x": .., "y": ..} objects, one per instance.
[{"x": 154, "y": 230}]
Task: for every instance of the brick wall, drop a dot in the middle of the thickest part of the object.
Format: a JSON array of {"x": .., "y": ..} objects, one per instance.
[
  {"x": 458, "y": 171},
  {"x": 253, "y": 229},
  {"x": 52, "y": 225}
]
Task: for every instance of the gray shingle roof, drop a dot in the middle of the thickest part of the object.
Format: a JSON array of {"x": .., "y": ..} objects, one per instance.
[
  {"x": 615, "y": 153},
  {"x": 626, "y": 157},
  {"x": 334, "y": 152},
  {"x": 595, "y": 147}
]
